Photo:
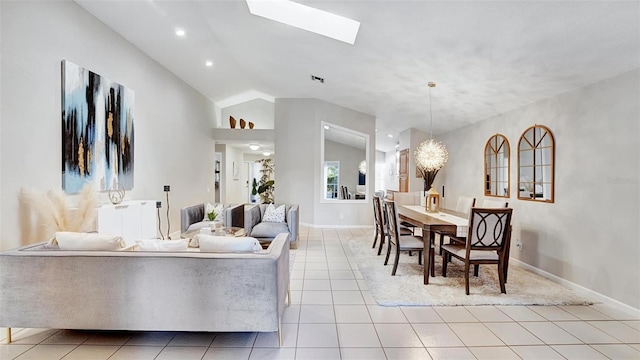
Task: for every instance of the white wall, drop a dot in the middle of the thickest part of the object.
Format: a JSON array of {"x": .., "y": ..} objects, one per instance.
[
  {"x": 258, "y": 111},
  {"x": 235, "y": 189},
  {"x": 172, "y": 120},
  {"x": 589, "y": 236},
  {"x": 391, "y": 172},
  {"x": 297, "y": 160}
]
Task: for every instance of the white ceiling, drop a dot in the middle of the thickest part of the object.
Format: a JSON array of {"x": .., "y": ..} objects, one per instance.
[{"x": 486, "y": 57}]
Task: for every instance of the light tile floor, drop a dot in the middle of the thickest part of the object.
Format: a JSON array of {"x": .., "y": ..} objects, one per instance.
[{"x": 334, "y": 316}]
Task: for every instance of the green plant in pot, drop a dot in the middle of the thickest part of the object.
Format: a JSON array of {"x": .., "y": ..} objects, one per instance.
[{"x": 266, "y": 184}]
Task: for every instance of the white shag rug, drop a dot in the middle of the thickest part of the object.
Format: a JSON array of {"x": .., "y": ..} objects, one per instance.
[{"x": 406, "y": 288}]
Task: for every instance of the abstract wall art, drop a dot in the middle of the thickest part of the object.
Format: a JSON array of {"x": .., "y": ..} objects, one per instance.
[{"x": 97, "y": 131}]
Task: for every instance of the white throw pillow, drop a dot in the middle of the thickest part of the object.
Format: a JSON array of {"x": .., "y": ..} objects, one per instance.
[
  {"x": 274, "y": 214},
  {"x": 87, "y": 241},
  {"x": 218, "y": 209},
  {"x": 227, "y": 243},
  {"x": 162, "y": 245}
]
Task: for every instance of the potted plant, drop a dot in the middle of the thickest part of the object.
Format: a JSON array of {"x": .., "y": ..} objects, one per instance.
[
  {"x": 266, "y": 184},
  {"x": 254, "y": 190}
]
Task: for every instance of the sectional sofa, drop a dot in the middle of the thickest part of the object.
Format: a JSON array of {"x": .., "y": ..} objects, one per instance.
[{"x": 131, "y": 290}]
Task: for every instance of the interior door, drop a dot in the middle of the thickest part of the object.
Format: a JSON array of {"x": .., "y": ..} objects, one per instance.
[{"x": 403, "y": 171}]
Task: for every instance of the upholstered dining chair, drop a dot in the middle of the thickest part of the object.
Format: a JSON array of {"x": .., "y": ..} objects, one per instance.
[
  {"x": 407, "y": 198},
  {"x": 486, "y": 240},
  {"x": 463, "y": 206},
  {"x": 380, "y": 217},
  {"x": 403, "y": 242},
  {"x": 494, "y": 204}
]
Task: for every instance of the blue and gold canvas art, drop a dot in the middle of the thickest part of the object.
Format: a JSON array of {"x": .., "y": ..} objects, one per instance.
[{"x": 97, "y": 131}]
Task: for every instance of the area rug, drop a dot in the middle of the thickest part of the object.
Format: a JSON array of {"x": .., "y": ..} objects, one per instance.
[{"x": 406, "y": 288}]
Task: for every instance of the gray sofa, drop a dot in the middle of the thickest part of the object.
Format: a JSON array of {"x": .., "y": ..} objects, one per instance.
[
  {"x": 190, "y": 215},
  {"x": 266, "y": 231},
  {"x": 131, "y": 290}
]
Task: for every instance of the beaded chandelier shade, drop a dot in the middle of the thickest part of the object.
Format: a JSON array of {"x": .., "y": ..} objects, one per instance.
[{"x": 362, "y": 167}]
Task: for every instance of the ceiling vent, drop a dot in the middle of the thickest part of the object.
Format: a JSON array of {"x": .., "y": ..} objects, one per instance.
[{"x": 317, "y": 78}]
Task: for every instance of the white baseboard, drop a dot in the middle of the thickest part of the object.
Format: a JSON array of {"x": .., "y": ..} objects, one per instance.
[
  {"x": 578, "y": 288},
  {"x": 337, "y": 226}
]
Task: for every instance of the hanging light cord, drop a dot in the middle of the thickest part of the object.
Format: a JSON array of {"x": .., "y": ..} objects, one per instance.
[{"x": 430, "y": 85}]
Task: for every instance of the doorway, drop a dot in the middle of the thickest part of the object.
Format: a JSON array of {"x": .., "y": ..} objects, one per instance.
[{"x": 403, "y": 171}]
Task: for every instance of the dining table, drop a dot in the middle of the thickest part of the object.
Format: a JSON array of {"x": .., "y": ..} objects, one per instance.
[{"x": 445, "y": 221}]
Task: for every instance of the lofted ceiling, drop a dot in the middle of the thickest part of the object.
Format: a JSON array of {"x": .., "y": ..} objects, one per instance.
[{"x": 487, "y": 57}]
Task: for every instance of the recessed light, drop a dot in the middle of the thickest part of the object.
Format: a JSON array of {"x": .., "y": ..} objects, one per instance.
[
  {"x": 307, "y": 18},
  {"x": 326, "y": 127},
  {"x": 266, "y": 153},
  {"x": 376, "y": 130},
  {"x": 391, "y": 136},
  {"x": 180, "y": 32},
  {"x": 209, "y": 63},
  {"x": 254, "y": 147}
]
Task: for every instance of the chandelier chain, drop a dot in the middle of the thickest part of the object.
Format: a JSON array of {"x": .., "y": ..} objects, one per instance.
[{"x": 430, "y": 112}]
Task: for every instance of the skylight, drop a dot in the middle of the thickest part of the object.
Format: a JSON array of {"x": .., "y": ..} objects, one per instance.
[{"x": 307, "y": 18}]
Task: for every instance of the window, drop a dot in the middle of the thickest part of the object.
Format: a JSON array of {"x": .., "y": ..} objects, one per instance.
[{"x": 332, "y": 179}]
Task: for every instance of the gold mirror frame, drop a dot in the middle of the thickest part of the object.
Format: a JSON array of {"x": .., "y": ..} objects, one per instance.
[
  {"x": 536, "y": 170},
  {"x": 497, "y": 173}
]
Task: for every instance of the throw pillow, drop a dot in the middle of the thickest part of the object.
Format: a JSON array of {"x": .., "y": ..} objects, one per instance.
[
  {"x": 217, "y": 209},
  {"x": 87, "y": 241},
  {"x": 274, "y": 214},
  {"x": 162, "y": 245},
  {"x": 227, "y": 243}
]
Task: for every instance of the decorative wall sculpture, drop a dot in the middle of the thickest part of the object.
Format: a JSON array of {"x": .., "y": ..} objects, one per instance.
[{"x": 97, "y": 131}]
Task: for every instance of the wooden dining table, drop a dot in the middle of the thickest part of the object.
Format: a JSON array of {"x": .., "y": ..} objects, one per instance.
[
  {"x": 429, "y": 223},
  {"x": 447, "y": 222}
]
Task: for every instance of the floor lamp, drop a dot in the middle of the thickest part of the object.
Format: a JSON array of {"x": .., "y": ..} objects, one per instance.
[
  {"x": 158, "y": 206},
  {"x": 167, "y": 188}
]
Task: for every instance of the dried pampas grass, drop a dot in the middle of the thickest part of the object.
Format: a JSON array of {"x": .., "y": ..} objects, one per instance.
[{"x": 52, "y": 211}]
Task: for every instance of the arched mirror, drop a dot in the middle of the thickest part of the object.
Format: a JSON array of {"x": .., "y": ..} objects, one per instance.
[
  {"x": 345, "y": 164},
  {"x": 536, "y": 153},
  {"x": 496, "y": 166}
]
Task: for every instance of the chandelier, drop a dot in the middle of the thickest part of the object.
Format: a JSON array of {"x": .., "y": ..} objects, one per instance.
[
  {"x": 362, "y": 167},
  {"x": 430, "y": 155}
]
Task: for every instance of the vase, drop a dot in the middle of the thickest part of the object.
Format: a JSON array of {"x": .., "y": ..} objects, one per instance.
[
  {"x": 242, "y": 123},
  {"x": 250, "y": 125},
  {"x": 232, "y": 122}
]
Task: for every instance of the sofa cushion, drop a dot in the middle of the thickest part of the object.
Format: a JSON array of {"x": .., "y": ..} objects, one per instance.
[
  {"x": 227, "y": 243},
  {"x": 162, "y": 245},
  {"x": 87, "y": 241},
  {"x": 269, "y": 229},
  {"x": 274, "y": 214}
]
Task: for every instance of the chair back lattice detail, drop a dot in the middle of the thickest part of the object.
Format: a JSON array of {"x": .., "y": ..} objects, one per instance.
[
  {"x": 377, "y": 214},
  {"x": 488, "y": 228},
  {"x": 392, "y": 221}
]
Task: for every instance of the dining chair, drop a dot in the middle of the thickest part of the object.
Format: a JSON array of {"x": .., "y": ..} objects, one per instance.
[
  {"x": 403, "y": 242},
  {"x": 407, "y": 198},
  {"x": 494, "y": 204},
  {"x": 486, "y": 241},
  {"x": 463, "y": 206},
  {"x": 380, "y": 218}
]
